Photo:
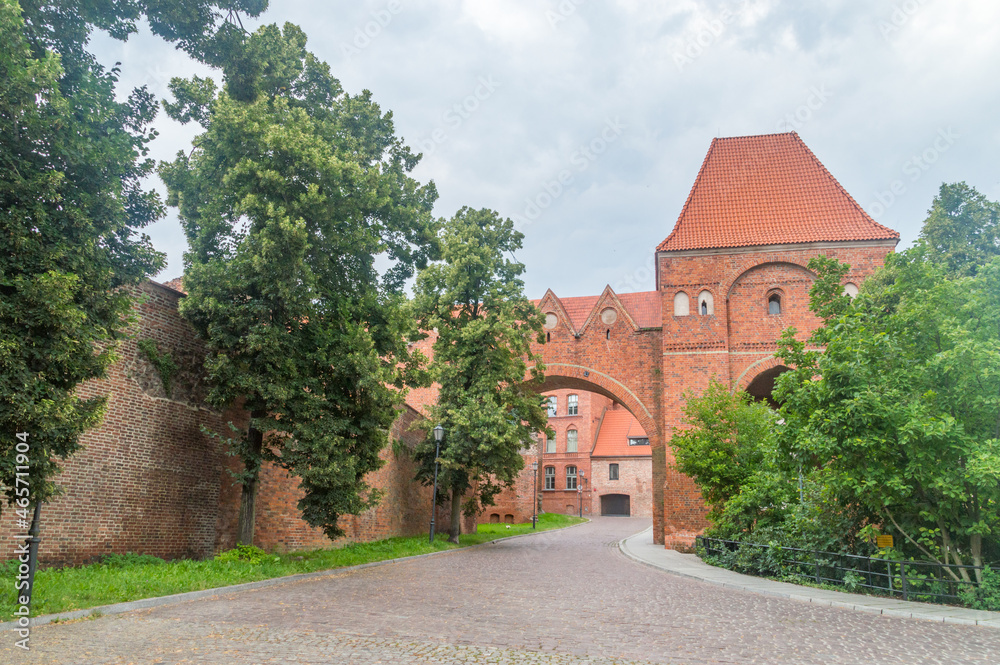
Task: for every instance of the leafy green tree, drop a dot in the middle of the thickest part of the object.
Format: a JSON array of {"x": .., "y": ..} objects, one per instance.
[
  {"x": 290, "y": 194},
  {"x": 475, "y": 301},
  {"x": 962, "y": 230},
  {"x": 901, "y": 411},
  {"x": 723, "y": 444},
  {"x": 72, "y": 162},
  {"x": 71, "y": 201}
]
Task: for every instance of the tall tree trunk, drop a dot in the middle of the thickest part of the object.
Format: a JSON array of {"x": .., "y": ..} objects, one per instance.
[
  {"x": 248, "y": 498},
  {"x": 456, "y": 516},
  {"x": 976, "y": 545}
]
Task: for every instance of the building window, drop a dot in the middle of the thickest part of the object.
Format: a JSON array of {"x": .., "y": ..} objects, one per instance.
[
  {"x": 571, "y": 477},
  {"x": 571, "y": 441},
  {"x": 638, "y": 441},
  {"x": 550, "y": 477},
  {"x": 706, "y": 304},
  {"x": 612, "y": 472},
  {"x": 851, "y": 289},
  {"x": 553, "y": 405},
  {"x": 774, "y": 304},
  {"x": 682, "y": 304},
  {"x": 572, "y": 405},
  {"x": 550, "y": 445}
]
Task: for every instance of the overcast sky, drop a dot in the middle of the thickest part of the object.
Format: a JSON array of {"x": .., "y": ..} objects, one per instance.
[{"x": 623, "y": 98}]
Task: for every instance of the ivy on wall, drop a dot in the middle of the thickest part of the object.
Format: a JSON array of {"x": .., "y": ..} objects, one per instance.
[{"x": 163, "y": 362}]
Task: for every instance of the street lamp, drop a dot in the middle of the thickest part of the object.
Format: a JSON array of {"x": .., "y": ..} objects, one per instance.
[
  {"x": 534, "y": 492},
  {"x": 579, "y": 491},
  {"x": 438, "y": 435}
]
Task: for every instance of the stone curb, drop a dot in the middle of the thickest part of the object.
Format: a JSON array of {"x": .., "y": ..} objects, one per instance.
[
  {"x": 144, "y": 603},
  {"x": 856, "y": 602}
]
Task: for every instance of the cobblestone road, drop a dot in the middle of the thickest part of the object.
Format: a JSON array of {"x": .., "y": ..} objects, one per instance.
[{"x": 559, "y": 597}]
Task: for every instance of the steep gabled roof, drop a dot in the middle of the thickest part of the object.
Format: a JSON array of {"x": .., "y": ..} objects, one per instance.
[
  {"x": 643, "y": 307},
  {"x": 616, "y": 428},
  {"x": 767, "y": 190}
]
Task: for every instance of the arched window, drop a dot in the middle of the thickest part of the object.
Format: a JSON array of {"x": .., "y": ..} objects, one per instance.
[
  {"x": 706, "y": 304},
  {"x": 553, "y": 405},
  {"x": 550, "y": 445},
  {"x": 682, "y": 304},
  {"x": 550, "y": 477},
  {"x": 573, "y": 405},
  {"x": 774, "y": 304},
  {"x": 851, "y": 289},
  {"x": 571, "y": 438},
  {"x": 571, "y": 477}
]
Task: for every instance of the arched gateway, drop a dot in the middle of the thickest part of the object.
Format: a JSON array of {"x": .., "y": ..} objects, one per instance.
[{"x": 729, "y": 278}]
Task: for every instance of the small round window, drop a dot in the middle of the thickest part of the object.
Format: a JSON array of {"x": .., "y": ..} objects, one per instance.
[{"x": 551, "y": 320}]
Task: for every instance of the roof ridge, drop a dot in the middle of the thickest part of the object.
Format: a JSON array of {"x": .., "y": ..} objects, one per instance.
[{"x": 768, "y": 189}]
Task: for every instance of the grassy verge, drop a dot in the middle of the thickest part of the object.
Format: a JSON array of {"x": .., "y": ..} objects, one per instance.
[{"x": 120, "y": 578}]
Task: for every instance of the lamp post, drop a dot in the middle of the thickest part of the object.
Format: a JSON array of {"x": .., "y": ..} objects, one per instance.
[
  {"x": 438, "y": 435},
  {"x": 579, "y": 491},
  {"x": 534, "y": 492}
]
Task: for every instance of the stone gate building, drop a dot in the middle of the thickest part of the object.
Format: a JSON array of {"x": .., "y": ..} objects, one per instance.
[{"x": 730, "y": 277}]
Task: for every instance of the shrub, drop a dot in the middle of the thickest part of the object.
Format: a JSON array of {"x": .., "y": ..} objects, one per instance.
[
  {"x": 987, "y": 595},
  {"x": 246, "y": 553}
]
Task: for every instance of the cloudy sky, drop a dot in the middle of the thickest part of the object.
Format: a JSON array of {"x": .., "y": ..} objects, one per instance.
[{"x": 623, "y": 98}]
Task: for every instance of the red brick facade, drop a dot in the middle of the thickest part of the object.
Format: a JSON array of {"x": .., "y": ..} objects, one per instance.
[
  {"x": 720, "y": 272},
  {"x": 149, "y": 480}
]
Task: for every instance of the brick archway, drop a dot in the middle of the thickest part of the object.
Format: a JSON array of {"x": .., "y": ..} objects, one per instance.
[
  {"x": 744, "y": 380},
  {"x": 560, "y": 376},
  {"x": 754, "y": 262}
]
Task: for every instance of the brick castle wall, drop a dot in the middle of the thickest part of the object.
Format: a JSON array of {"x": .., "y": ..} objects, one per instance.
[{"x": 148, "y": 479}]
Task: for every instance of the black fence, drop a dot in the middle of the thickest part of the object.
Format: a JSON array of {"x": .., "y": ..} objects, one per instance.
[{"x": 910, "y": 580}]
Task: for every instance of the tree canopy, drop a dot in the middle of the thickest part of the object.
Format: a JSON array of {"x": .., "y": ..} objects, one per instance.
[
  {"x": 289, "y": 195},
  {"x": 893, "y": 427},
  {"x": 474, "y": 300}
]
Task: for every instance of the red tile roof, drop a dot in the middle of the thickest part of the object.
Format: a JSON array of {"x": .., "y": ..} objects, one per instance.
[
  {"x": 616, "y": 428},
  {"x": 767, "y": 190},
  {"x": 644, "y": 308},
  {"x": 578, "y": 309}
]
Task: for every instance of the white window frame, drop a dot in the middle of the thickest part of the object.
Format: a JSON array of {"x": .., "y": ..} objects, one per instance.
[
  {"x": 571, "y": 477},
  {"x": 573, "y": 405},
  {"x": 550, "y": 478},
  {"x": 574, "y": 446}
]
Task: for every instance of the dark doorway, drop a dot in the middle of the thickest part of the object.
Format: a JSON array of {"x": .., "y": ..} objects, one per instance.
[
  {"x": 616, "y": 505},
  {"x": 763, "y": 385}
]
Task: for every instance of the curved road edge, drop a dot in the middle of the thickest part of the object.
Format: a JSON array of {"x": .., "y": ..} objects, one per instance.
[{"x": 640, "y": 548}]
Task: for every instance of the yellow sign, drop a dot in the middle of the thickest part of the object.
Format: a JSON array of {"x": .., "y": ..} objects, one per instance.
[{"x": 885, "y": 541}]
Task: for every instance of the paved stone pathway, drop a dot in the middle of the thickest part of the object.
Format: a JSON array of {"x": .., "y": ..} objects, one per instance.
[{"x": 559, "y": 597}]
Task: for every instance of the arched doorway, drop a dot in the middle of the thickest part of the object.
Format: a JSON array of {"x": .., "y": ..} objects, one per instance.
[
  {"x": 761, "y": 388},
  {"x": 578, "y": 466}
]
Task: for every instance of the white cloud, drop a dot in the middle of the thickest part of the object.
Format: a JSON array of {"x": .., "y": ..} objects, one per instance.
[{"x": 888, "y": 98}]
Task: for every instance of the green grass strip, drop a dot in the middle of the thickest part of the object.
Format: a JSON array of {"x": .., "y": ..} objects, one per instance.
[{"x": 121, "y": 578}]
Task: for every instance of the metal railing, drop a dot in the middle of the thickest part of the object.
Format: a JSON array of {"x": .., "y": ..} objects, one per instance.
[{"x": 910, "y": 580}]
